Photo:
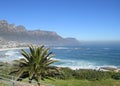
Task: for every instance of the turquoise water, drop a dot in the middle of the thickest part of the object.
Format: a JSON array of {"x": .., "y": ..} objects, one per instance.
[{"x": 85, "y": 56}]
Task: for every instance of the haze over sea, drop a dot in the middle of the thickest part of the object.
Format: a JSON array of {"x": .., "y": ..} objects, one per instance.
[{"x": 90, "y": 56}]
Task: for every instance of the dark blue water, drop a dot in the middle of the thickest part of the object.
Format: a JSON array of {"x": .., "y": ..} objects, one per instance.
[
  {"x": 88, "y": 56},
  {"x": 85, "y": 56}
]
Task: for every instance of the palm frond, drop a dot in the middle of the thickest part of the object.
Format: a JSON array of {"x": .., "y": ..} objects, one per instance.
[
  {"x": 21, "y": 71},
  {"x": 36, "y": 63},
  {"x": 32, "y": 51},
  {"x": 25, "y": 54}
]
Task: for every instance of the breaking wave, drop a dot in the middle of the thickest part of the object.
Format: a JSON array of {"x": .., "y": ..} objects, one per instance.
[
  {"x": 11, "y": 55},
  {"x": 76, "y": 57}
]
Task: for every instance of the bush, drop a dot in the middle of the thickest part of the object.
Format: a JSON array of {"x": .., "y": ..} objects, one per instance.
[
  {"x": 116, "y": 76},
  {"x": 86, "y": 74},
  {"x": 66, "y": 73}
]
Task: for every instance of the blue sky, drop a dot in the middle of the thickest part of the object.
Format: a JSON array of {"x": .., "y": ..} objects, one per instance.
[{"x": 86, "y": 20}]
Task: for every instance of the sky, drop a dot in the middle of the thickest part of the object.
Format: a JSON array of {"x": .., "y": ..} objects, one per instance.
[{"x": 86, "y": 20}]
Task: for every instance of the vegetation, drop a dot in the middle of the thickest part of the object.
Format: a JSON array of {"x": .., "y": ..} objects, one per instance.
[
  {"x": 3, "y": 84},
  {"x": 36, "y": 64},
  {"x": 85, "y": 74},
  {"x": 5, "y": 67},
  {"x": 75, "y": 82},
  {"x": 81, "y": 77}
]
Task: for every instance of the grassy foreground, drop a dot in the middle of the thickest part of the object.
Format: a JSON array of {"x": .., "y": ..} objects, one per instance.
[
  {"x": 70, "y": 77},
  {"x": 107, "y": 82}
]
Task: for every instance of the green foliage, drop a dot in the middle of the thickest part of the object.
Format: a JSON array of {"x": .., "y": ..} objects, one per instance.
[
  {"x": 116, "y": 76},
  {"x": 5, "y": 67},
  {"x": 91, "y": 74},
  {"x": 83, "y": 74},
  {"x": 36, "y": 64},
  {"x": 66, "y": 73},
  {"x": 81, "y": 77}
]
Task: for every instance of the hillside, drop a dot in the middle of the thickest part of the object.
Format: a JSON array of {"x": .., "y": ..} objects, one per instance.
[{"x": 19, "y": 34}]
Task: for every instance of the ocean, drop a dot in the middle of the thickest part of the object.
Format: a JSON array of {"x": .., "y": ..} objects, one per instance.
[{"x": 75, "y": 57}]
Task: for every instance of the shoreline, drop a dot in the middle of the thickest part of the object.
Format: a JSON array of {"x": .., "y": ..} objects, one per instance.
[
  {"x": 15, "y": 48},
  {"x": 100, "y": 68}
]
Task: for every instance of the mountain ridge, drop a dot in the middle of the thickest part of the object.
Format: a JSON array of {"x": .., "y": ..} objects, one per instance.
[{"x": 20, "y": 34}]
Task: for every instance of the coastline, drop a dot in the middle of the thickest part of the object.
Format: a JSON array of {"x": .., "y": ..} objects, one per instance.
[
  {"x": 15, "y": 48},
  {"x": 101, "y": 68}
]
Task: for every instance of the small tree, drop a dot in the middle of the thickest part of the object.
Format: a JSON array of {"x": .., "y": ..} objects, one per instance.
[{"x": 36, "y": 64}]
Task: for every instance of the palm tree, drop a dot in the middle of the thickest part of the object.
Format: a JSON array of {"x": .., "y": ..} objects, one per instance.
[{"x": 36, "y": 64}]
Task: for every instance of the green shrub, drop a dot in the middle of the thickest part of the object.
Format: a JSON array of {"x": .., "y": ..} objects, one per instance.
[
  {"x": 66, "y": 73},
  {"x": 83, "y": 74},
  {"x": 116, "y": 76}
]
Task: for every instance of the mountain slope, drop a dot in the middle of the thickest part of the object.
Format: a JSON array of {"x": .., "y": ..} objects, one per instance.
[{"x": 10, "y": 32}]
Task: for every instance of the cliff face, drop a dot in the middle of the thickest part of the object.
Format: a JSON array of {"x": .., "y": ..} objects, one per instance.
[{"x": 10, "y": 32}]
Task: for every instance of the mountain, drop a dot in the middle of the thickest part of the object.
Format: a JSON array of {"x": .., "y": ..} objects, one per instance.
[{"x": 19, "y": 34}]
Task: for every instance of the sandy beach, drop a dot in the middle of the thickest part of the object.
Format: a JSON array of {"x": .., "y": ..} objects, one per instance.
[{"x": 4, "y": 49}]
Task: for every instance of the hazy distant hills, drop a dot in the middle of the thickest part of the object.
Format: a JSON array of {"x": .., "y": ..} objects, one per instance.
[{"x": 10, "y": 32}]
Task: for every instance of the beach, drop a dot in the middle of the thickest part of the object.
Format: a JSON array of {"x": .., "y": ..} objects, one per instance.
[{"x": 14, "y": 48}]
